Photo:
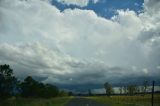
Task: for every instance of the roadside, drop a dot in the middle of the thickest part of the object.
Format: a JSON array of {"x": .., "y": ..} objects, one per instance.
[
  {"x": 58, "y": 101},
  {"x": 80, "y": 101},
  {"x": 137, "y": 100}
]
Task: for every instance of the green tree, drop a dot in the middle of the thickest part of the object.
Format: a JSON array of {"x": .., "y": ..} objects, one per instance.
[
  {"x": 7, "y": 81},
  {"x": 108, "y": 88},
  {"x": 51, "y": 91},
  {"x": 33, "y": 88},
  {"x": 29, "y": 87}
]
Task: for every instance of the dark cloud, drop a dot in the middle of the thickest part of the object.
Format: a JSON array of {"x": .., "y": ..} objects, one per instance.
[{"x": 151, "y": 34}]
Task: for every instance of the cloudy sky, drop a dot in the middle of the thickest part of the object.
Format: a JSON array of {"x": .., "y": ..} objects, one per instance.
[{"x": 81, "y": 43}]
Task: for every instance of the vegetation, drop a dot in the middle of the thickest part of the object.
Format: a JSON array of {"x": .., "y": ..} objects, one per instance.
[
  {"x": 130, "y": 95},
  {"x": 33, "y": 93},
  {"x": 32, "y": 88},
  {"x": 136, "y": 100},
  {"x": 58, "y": 101},
  {"x": 145, "y": 87},
  {"x": 108, "y": 88},
  {"x": 132, "y": 89},
  {"x": 28, "y": 92},
  {"x": 29, "y": 88},
  {"x": 120, "y": 90},
  {"x": 7, "y": 81}
]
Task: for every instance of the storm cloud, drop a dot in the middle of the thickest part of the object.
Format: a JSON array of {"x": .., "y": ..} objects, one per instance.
[{"x": 78, "y": 47}]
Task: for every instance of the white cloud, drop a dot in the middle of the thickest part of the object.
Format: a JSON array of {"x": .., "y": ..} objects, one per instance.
[
  {"x": 95, "y": 1},
  {"x": 80, "y": 3},
  {"x": 36, "y": 57},
  {"x": 136, "y": 4},
  {"x": 78, "y": 43},
  {"x": 145, "y": 70}
]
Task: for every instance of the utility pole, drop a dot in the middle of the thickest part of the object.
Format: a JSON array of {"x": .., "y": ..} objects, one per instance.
[{"x": 153, "y": 92}]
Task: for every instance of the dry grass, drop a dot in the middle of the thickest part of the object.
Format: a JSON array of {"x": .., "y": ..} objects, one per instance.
[{"x": 128, "y": 100}]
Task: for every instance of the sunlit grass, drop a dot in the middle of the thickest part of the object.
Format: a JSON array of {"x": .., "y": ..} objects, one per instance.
[
  {"x": 59, "y": 101},
  {"x": 127, "y": 100}
]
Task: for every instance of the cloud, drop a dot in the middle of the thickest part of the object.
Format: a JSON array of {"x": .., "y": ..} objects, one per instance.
[
  {"x": 81, "y": 3},
  {"x": 136, "y": 4},
  {"x": 38, "y": 39},
  {"x": 152, "y": 6},
  {"x": 35, "y": 57},
  {"x": 40, "y": 61},
  {"x": 95, "y": 1}
]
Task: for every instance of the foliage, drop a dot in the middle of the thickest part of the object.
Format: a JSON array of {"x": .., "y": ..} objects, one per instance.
[
  {"x": 9, "y": 86},
  {"x": 145, "y": 87},
  {"x": 32, "y": 88},
  {"x": 7, "y": 81},
  {"x": 108, "y": 88},
  {"x": 132, "y": 89},
  {"x": 63, "y": 93},
  {"x": 70, "y": 93}
]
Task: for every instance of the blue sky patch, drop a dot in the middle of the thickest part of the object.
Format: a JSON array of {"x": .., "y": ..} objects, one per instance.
[{"x": 105, "y": 8}]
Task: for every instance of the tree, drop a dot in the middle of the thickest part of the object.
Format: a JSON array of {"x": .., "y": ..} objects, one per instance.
[
  {"x": 125, "y": 90},
  {"x": 137, "y": 89},
  {"x": 7, "y": 81},
  {"x": 70, "y": 93},
  {"x": 108, "y": 88},
  {"x": 120, "y": 90},
  {"x": 145, "y": 86},
  {"x": 89, "y": 92},
  {"x": 132, "y": 89},
  {"x": 51, "y": 91},
  {"x": 29, "y": 87},
  {"x": 33, "y": 88}
]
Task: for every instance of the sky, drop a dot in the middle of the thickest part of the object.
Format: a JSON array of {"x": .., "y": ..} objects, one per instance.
[{"x": 81, "y": 44}]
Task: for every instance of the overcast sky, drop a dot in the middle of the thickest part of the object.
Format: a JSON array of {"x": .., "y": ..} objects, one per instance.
[{"x": 81, "y": 43}]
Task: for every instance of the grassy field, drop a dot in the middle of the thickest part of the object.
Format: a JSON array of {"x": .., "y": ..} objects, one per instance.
[
  {"x": 60, "y": 101},
  {"x": 127, "y": 100}
]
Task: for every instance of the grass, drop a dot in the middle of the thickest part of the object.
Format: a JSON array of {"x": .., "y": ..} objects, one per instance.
[
  {"x": 127, "y": 100},
  {"x": 59, "y": 101}
]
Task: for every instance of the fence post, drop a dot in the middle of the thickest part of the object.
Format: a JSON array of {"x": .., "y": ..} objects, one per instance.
[{"x": 153, "y": 92}]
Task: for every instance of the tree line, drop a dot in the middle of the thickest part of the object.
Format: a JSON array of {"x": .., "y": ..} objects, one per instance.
[
  {"x": 130, "y": 89},
  {"x": 11, "y": 86}
]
